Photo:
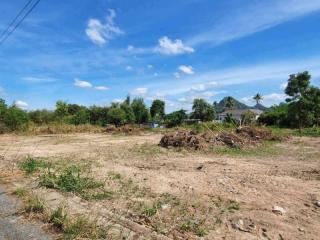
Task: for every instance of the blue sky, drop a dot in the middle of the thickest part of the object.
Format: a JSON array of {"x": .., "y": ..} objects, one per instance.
[{"x": 98, "y": 51}]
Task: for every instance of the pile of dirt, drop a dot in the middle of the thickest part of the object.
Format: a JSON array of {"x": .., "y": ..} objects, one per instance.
[
  {"x": 241, "y": 138},
  {"x": 127, "y": 129}
]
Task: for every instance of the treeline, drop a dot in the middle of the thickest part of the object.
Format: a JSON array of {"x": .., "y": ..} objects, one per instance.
[
  {"x": 13, "y": 118},
  {"x": 302, "y": 107}
]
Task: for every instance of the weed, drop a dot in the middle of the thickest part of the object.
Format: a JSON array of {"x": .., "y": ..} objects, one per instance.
[
  {"x": 82, "y": 228},
  {"x": 114, "y": 175},
  {"x": 194, "y": 226},
  {"x": 233, "y": 205},
  {"x": 70, "y": 179},
  {"x": 59, "y": 217},
  {"x": 34, "y": 204},
  {"x": 31, "y": 165},
  {"x": 20, "y": 192}
]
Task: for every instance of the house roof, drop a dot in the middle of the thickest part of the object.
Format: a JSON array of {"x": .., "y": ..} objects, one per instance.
[{"x": 239, "y": 112}]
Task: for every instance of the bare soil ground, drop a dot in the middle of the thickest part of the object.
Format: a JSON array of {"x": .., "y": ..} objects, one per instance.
[{"x": 163, "y": 193}]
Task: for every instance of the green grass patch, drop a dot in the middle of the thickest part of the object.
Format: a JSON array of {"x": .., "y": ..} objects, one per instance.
[
  {"x": 73, "y": 179},
  {"x": 34, "y": 204},
  {"x": 30, "y": 165},
  {"x": 20, "y": 192},
  {"x": 305, "y": 132}
]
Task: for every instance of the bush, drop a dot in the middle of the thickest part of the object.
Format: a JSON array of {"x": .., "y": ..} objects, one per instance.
[{"x": 16, "y": 119}]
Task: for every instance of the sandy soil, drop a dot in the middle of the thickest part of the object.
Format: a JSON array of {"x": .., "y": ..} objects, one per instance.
[{"x": 287, "y": 177}]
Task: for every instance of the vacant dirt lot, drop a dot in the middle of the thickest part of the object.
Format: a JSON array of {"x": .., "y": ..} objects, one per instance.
[{"x": 178, "y": 194}]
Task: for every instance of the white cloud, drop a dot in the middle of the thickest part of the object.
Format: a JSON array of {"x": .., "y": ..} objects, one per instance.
[
  {"x": 21, "y": 104},
  {"x": 150, "y": 66},
  {"x": 82, "y": 84},
  {"x": 117, "y": 100},
  {"x": 251, "y": 18},
  {"x": 101, "y": 88},
  {"x": 39, "y": 79},
  {"x": 141, "y": 91},
  {"x": 172, "y": 47},
  {"x": 155, "y": 74},
  {"x": 100, "y": 33},
  {"x": 186, "y": 69}
]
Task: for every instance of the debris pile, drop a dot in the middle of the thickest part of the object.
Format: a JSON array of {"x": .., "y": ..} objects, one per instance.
[
  {"x": 246, "y": 136},
  {"x": 127, "y": 129}
]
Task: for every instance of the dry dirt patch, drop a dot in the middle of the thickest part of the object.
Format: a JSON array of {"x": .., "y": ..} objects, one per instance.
[{"x": 220, "y": 195}]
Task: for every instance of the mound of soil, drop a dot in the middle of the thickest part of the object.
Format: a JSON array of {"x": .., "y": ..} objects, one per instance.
[
  {"x": 244, "y": 137},
  {"x": 127, "y": 129}
]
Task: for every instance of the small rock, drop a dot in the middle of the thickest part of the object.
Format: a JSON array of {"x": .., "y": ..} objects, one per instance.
[
  {"x": 318, "y": 204},
  {"x": 301, "y": 229},
  {"x": 278, "y": 210},
  {"x": 165, "y": 206},
  {"x": 200, "y": 167}
]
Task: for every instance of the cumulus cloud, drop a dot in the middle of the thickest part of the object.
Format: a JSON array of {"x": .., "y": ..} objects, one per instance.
[
  {"x": 82, "y": 84},
  {"x": 100, "y": 33},
  {"x": 172, "y": 47},
  {"x": 186, "y": 69},
  {"x": 101, "y": 88},
  {"x": 21, "y": 104},
  {"x": 139, "y": 91}
]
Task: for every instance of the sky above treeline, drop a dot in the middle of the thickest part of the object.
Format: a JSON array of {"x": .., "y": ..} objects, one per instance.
[{"x": 94, "y": 52}]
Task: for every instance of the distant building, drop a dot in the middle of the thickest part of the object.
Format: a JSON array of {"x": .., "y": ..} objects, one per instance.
[{"x": 237, "y": 114}]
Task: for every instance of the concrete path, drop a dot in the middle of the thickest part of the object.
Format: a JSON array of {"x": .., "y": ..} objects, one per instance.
[{"x": 11, "y": 225}]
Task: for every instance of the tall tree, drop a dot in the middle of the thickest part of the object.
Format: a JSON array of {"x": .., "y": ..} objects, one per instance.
[
  {"x": 157, "y": 110},
  {"x": 258, "y": 98},
  {"x": 61, "y": 109},
  {"x": 140, "y": 110},
  {"x": 202, "y": 110},
  {"x": 297, "y": 90},
  {"x": 175, "y": 118}
]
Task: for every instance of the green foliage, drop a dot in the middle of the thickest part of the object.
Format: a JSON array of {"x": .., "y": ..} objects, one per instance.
[
  {"x": 61, "y": 110},
  {"x": 276, "y": 115},
  {"x": 71, "y": 179},
  {"x": 16, "y": 119},
  {"x": 175, "y": 118},
  {"x": 202, "y": 110},
  {"x": 59, "y": 217},
  {"x": 116, "y": 116},
  {"x": 157, "y": 110},
  {"x": 31, "y": 165},
  {"x": 98, "y": 115},
  {"x": 35, "y": 204},
  {"x": 129, "y": 114},
  {"x": 140, "y": 111},
  {"x": 41, "y": 116},
  {"x": 81, "y": 116}
]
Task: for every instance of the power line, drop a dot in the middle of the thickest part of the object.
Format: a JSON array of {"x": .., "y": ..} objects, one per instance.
[
  {"x": 18, "y": 24},
  {"x": 16, "y": 17}
]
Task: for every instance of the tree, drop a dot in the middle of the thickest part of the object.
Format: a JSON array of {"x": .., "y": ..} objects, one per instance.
[
  {"x": 157, "y": 110},
  {"x": 129, "y": 114},
  {"x": 41, "y": 116},
  {"x": 140, "y": 110},
  {"x": 175, "y": 118},
  {"x": 98, "y": 115},
  {"x": 3, "y": 109},
  {"x": 61, "y": 110},
  {"x": 297, "y": 89},
  {"x": 202, "y": 110},
  {"x": 229, "y": 103},
  {"x": 16, "y": 119},
  {"x": 276, "y": 115},
  {"x": 257, "y": 98},
  {"x": 81, "y": 116},
  {"x": 116, "y": 116}
]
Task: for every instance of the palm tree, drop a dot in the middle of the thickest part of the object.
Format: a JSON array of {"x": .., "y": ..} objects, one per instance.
[
  {"x": 229, "y": 103},
  {"x": 258, "y": 98}
]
